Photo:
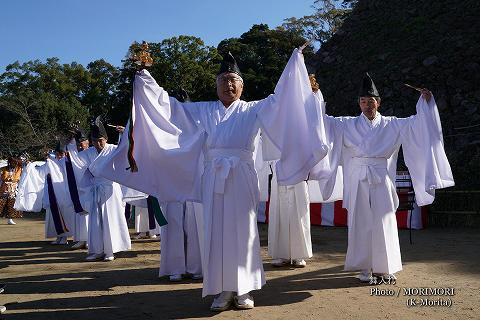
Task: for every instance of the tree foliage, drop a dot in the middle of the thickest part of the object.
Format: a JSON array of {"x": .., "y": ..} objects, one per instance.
[
  {"x": 186, "y": 62},
  {"x": 37, "y": 101},
  {"x": 182, "y": 62},
  {"x": 40, "y": 101},
  {"x": 324, "y": 22}
]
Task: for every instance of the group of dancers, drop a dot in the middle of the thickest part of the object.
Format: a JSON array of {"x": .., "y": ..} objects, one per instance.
[{"x": 203, "y": 163}]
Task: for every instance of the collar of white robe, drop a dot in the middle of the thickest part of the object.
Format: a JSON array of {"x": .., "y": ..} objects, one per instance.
[{"x": 372, "y": 123}]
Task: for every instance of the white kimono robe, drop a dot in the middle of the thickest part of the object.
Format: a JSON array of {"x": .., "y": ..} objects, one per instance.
[
  {"x": 33, "y": 194},
  {"x": 30, "y": 188},
  {"x": 289, "y": 210},
  {"x": 80, "y": 228},
  {"x": 289, "y": 221},
  {"x": 368, "y": 152},
  {"x": 173, "y": 136},
  {"x": 180, "y": 251},
  {"x": 31, "y": 197},
  {"x": 56, "y": 169},
  {"x": 107, "y": 226}
]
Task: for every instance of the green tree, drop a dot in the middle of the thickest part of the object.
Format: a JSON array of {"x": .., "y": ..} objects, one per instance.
[
  {"x": 186, "y": 62},
  {"x": 101, "y": 88},
  {"x": 324, "y": 22},
  {"x": 179, "y": 62},
  {"x": 39, "y": 102}
]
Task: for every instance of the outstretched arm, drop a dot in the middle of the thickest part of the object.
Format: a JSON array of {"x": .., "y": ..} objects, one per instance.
[
  {"x": 423, "y": 149},
  {"x": 284, "y": 119},
  {"x": 164, "y": 142}
]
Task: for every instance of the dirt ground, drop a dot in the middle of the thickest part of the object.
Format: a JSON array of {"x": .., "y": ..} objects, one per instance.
[{"x": 53, "y": 282}]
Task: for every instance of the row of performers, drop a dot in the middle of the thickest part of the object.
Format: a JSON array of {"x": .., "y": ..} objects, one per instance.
[
  {"x": 207, "y": 152},
  {"x": 53, "y": 185}
]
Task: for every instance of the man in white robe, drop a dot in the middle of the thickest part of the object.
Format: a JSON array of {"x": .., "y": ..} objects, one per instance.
[
  {"x": 80, "y": 230},
  {"x": 367, "y": 147},
  {"x": 44, "y": 185},
  {"x": 102, "y": 198},
  {"x": 289, "y": 239},
  {"x": 30, "y": 188},
  {"x": 56, "y": 169},
  {"x": 180, "y": 245},
  {"x": 138, "y": 202},
  {"x": 173, "y": 136}
]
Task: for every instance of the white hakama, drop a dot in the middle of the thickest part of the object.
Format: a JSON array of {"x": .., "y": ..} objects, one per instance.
[
  {"x": 289, "y": 222},
  {"x": 56, "y": 169},
  {"x": 107, "y": 226},
  {"x": 80, "y": 230},
  {"x": 180, "y": 246},
  {"x": 142, "y": 224}
]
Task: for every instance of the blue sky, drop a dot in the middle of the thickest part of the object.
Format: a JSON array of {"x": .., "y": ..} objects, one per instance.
[{"x": 86, "y": 30}]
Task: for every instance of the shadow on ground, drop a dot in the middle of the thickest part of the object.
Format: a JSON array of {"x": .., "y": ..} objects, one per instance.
[{"x": 169, "y": 304}]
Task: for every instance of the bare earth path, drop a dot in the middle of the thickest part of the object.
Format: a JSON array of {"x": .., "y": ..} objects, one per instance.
[{"x": 53, "y": 282}]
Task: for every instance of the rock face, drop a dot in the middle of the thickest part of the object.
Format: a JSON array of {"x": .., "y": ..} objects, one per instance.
[{"x": 432, "y": 44}]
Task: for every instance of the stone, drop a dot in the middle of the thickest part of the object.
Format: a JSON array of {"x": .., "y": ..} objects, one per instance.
[
  {"x": 418, "y": 71},
  {"x": 477, "y": 94},
  {"x": 456, "y": 100},
  {"x": 328, "y": 59},
  {"x": 387, "y": 93},
  {"x": 469, "y": 108},
  {"x": 476, "y": 117},
  {"x": 430, "y": 61},
  {"x": 395, "y": 75},
  {"x": 472, "y": 67},
  {"x": 442, "y": 103},
  {"x": 382, "y": 56}
]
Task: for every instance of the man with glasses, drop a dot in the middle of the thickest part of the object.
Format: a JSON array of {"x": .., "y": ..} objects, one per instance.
[{"x": 203, "y": 151}]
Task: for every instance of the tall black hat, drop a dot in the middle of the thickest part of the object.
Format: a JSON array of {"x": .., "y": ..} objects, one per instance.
[
  {"x": 97, "y": 130},
  {"x": 60, "y": 147},
  {"x": 368, "y": 88},
  {"x": 229, "y": 64},
  {"x": 80, "y": 135}
]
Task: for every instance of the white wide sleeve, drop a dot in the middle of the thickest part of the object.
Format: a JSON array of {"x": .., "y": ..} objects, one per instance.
[
  {"x": 31, "y": 188},
  {"x": 56, "y": 170},
  {"x": 424, "y": 153},
  {"x": 285, "y": 120},
  {"x": 326, "y": 178},
  {"x": 79, "y": 163},
  {"x": 262, "y": 166},
  {"x": 166, "y": 143}
]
